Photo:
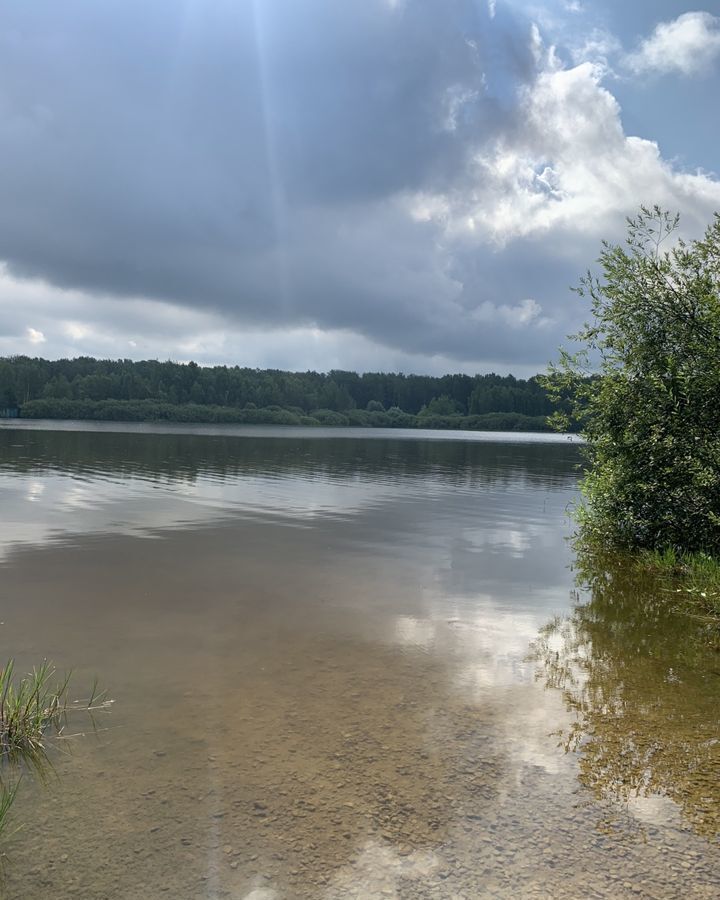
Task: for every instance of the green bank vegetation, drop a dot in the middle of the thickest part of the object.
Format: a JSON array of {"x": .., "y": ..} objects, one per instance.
[
  {"x": 646, "y": 384},
  {"x": 32, "y": 708},
  {"x": 124, "y": 390},
  {"x": 695, "y": 577},
  {"x": 151, "y": 411}
]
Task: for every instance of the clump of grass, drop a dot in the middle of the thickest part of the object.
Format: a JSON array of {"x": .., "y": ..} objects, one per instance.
[
  {"x": 7, "y": 798},
  {"x": 695, "y": 576},
  {"x": 32, "y": 707},
  {"x": 28, "y": 707},
  {"x": 693, "y": 579}
]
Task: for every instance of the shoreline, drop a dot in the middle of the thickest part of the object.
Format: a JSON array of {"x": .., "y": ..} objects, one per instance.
[{"x": 287, "y": 431}]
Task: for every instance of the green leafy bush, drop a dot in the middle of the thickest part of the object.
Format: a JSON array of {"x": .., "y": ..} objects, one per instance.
[
  {"x": 330, "y": 417},
  {"x": 650, "y": 419}
]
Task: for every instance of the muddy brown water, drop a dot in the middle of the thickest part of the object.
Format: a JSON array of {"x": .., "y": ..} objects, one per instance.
[{"x": 345, "y": 664}]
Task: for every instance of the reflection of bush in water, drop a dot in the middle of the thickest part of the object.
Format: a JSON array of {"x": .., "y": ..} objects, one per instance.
[{"x": 643, "y": 686}]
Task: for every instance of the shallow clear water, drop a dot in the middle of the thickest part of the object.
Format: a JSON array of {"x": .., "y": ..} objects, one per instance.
[{"x": 345, "y": 665}]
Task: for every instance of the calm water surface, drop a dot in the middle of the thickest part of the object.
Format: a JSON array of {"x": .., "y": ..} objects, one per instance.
[{"x": 346, "y": 664}]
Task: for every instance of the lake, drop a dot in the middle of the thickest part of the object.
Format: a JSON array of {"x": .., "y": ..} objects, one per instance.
[{"x": 345, "y": 663}]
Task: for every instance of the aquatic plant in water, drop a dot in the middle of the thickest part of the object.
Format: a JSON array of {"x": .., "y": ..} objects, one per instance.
[{"x": 31, "y": 708}]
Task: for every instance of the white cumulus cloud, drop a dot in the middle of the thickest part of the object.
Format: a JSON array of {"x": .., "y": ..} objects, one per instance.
[
  {"x": 35, "y": 336},
  {"x": 570, "y": 170},
  {"x": 688, "y": 44}
]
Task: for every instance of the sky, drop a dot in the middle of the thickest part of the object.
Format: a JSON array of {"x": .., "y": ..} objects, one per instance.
[{"x": 395, "y": 185}]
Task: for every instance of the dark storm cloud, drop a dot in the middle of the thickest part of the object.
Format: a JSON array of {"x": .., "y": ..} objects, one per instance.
[{"x": 241, "y": 155}]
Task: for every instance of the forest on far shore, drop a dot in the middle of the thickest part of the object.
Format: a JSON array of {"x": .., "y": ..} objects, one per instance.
[{"x": 124, "y": 390}]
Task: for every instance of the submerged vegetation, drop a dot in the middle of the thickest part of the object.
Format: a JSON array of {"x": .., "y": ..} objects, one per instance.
[
  {"x": 124, "y": 390},
  {"x": 645, "y": 385},
  {"x": 693, "y": 576},
  {"x": 33, "y": 707}
]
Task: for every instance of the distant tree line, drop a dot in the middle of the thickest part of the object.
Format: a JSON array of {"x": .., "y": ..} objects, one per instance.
[{"x": 127, "y": 390}]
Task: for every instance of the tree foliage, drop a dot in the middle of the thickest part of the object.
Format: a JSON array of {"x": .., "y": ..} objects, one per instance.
[
  {"x": 94, "y": 388},
  {"x": 650, "y": 416}
]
